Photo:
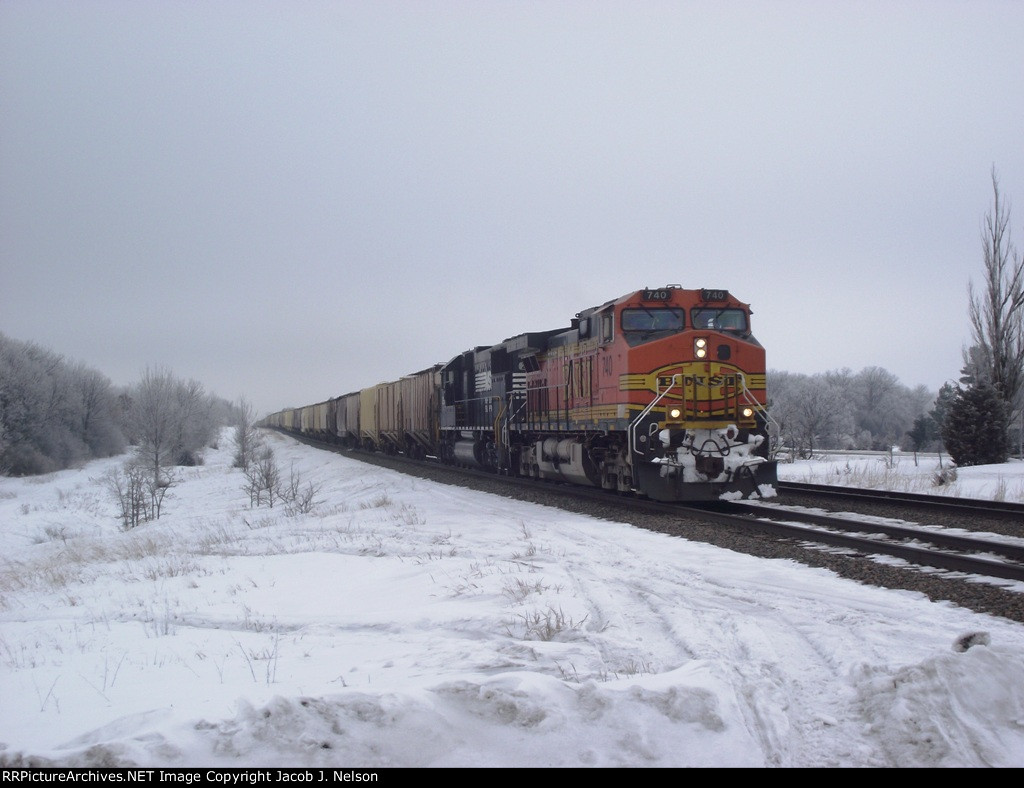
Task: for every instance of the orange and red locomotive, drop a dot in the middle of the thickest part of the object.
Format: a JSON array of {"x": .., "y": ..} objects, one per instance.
[{"x": 660, "y": 392}]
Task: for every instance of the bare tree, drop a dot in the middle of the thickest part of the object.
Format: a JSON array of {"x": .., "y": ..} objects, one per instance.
[
  {"x": 263, "y": 476},
  {"x": 997, "y": 313},
  {"x": 171, "y": 420},
  {"x": 299, "y": 497},
  {"x": 247, "y": 438},
  {"x": 128, "y": 486},
  {"x": 155, "y": 418},
  {"x": 157, "y": 489}
]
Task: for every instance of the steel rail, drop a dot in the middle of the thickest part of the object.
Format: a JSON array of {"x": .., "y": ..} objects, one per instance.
[{"x": 941, "y": 502}]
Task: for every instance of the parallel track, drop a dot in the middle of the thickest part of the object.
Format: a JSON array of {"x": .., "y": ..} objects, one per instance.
[
  {"x": 1004, "y": 509},
  {"x": 986, "y": 557}
]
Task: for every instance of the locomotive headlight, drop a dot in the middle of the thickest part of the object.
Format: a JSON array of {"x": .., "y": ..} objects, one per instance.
[
  {"x": 748, "y": 413},
  {"x": 675, "y": 413},
  {"x": 700, "y": 347}
]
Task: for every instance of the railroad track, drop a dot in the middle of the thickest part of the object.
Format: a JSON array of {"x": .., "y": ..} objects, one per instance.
[
  {"x": 931, "y": 546},
  {"x": 966, "y": 506},
  {"x": 870, "y": 536}
]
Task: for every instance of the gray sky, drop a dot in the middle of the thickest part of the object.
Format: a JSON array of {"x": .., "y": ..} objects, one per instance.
[{"x": 293, "y": 200}]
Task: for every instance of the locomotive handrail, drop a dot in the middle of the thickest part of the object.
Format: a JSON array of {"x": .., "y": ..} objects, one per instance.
[
  {"x": 762, "y": 409},
  {"x": 537, "y": 420},
  {"x": 500, "y": 424},
  {"x": 633, "y": 424},
  {"x": 513, "y": 416}
]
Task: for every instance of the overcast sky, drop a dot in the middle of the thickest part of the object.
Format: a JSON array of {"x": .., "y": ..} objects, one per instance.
[{"x": 293, "y": 200}]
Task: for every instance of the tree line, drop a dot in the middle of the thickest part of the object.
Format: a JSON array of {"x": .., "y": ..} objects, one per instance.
[
  {"x": 869, "y": 410},
  {"x": 56, "y": 414}
]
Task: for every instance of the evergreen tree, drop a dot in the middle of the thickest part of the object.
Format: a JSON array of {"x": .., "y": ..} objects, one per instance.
[
  {"x": 974, "y": 428},
  {"x": 943, "y": 402},
  {"x": 923, "y": 433}
]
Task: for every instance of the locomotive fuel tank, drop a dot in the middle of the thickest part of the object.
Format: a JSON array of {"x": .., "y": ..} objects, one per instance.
[
  {"x": 567, "y": 460},
  {"x": 469, "y": 452}
]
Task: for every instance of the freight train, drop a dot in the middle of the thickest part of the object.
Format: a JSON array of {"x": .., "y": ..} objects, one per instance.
[{"x": 659, "y": 393}]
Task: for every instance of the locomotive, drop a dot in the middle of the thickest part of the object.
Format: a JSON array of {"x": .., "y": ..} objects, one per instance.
[{"x": 659, "y": 393}]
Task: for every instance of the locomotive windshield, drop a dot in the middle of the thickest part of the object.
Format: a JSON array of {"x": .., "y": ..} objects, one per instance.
[
  {"x": 719, "y": 319},
  {"x": 655, "y": 319},
  {"x": 647, "y": 323}
]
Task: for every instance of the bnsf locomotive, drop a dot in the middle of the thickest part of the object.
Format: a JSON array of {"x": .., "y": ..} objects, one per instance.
[{"x": 660, "y": 393}]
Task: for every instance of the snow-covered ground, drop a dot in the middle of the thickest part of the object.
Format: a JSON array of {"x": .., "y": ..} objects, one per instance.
[
  {"x": 403, "y": 623},
  {"x": 928, "y": 474}
]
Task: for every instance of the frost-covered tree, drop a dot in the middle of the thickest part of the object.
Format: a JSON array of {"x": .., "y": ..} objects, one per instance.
[
  {"x": 171, "y": 420},
  {"x": 247, "y": 437},
  {"x": 96, "y": 412},
  {"x": 52, "y": 414},
  {"x": 154, "y": 418},
  {"x": 196, "y": 426},
  {"x": 842, "y": 410},
  {"x": 883, "y": 407},
  {"x": 812, "y": 412},
  {"x": 3, "y": 442},
  {"x": 24, "y": 371}
]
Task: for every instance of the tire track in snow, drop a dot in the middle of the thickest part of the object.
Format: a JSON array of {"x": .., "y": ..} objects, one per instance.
[{"x": 733, "y": 629}]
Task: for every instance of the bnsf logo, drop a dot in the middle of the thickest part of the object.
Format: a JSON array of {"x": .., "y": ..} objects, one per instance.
[
  {"x": 686, "y": 381},
  {"x": 701, "y": 380}
]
